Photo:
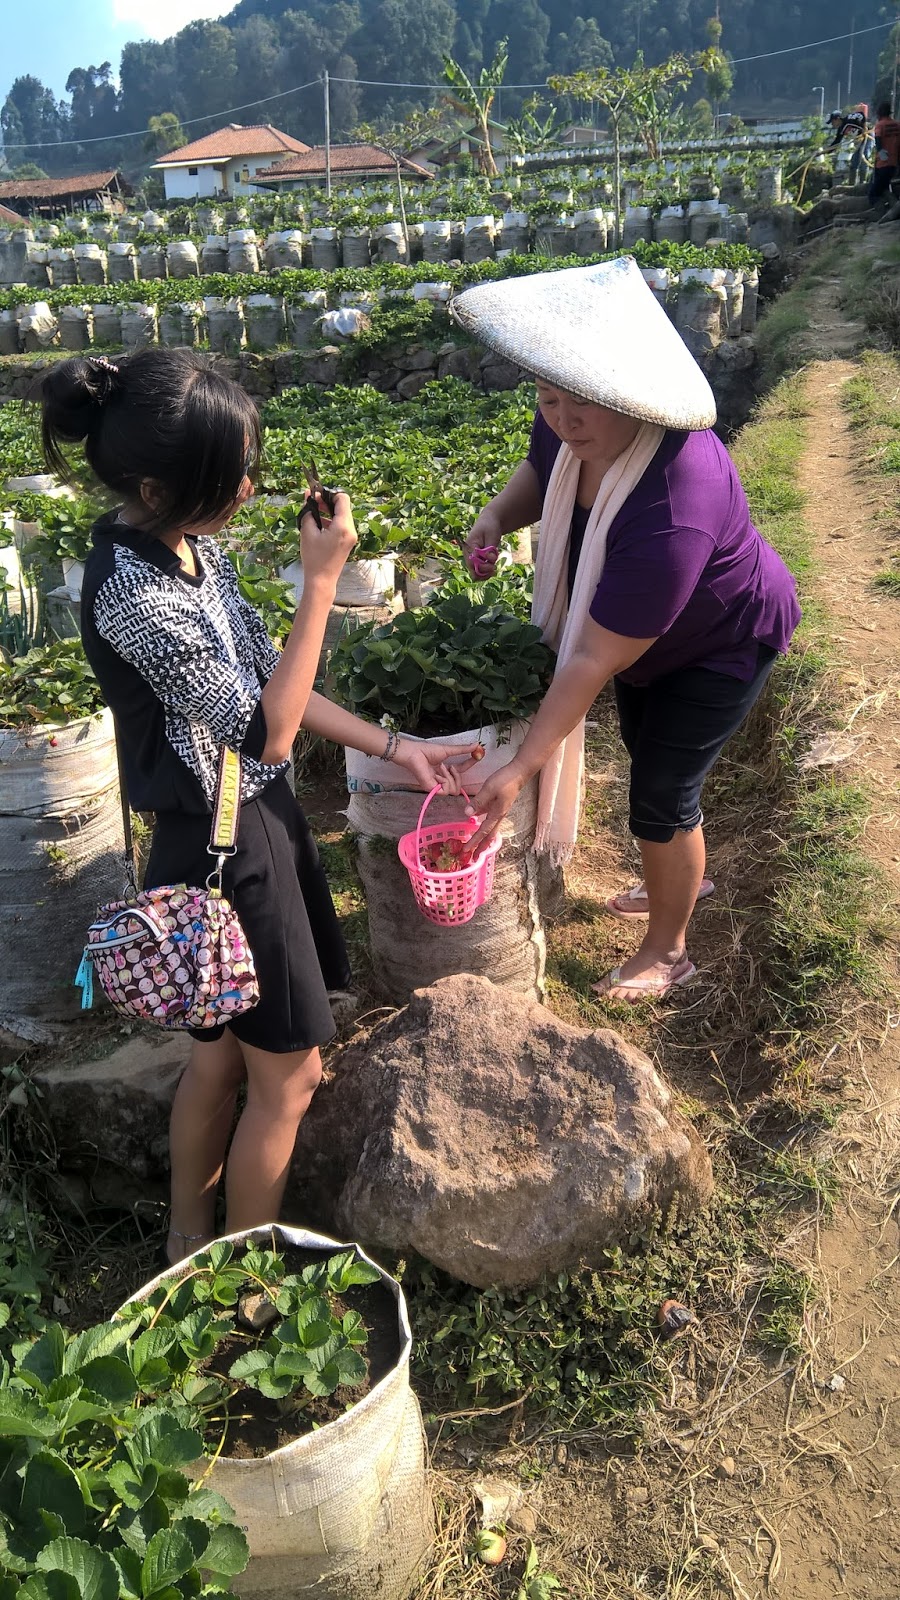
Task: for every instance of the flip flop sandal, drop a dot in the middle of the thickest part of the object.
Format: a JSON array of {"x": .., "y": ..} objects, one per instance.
[
  {"x": 648, "y": 988},
  {"x": 632, "y": 909}
]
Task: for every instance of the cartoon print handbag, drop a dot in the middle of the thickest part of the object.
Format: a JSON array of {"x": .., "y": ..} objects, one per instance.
[{"x": 175, "y": 956}]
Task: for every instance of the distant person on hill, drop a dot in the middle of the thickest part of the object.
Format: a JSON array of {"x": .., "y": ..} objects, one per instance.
[
  {"x": 854, "y": 125},
  {"x": 887, "y": 152}
]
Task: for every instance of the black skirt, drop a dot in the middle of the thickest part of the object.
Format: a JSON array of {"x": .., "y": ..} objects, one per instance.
[{"x": 278, "y": 888}]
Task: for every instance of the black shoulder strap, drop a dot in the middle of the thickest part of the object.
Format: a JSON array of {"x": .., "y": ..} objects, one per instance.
[{"x": 127, "y": 830}]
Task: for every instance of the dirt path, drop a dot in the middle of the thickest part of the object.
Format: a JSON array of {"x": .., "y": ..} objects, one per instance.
[
  {"x": 778, "y": 1481},
  {"x": 843, "y": 1534}
]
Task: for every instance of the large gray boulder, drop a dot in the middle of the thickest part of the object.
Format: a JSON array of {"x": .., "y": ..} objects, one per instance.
[{"x": 479, "y": 1130}]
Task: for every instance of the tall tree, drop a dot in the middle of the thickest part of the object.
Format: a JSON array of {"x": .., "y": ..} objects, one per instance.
[
  {"x": 31, "y": 119},
  {"x": 95, "y": 102},
  {"x": 716, "y": 66},
  {"x": 257, "y": 48},
  {"x": 164, "y": 133},
  {"x": 206, "y": 60},
  {"x": 527, "y": 28},
  {"x": 638, "y": 92},
  {"x": 475, "y": 96}
]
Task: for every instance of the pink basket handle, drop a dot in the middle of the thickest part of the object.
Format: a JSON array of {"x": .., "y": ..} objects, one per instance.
[{"x": 428, "y": 800}]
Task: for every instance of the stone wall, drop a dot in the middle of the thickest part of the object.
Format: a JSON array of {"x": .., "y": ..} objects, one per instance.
[{"x": 732, "y": 370}]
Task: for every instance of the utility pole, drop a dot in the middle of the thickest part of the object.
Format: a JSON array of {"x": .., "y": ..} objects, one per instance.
[
  {"x": 327, "y": 135},
  {"x": 850, "y": 62}
]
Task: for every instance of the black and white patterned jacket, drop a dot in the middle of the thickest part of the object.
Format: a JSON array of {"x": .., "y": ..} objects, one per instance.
[{"x": 182, "y": 662}]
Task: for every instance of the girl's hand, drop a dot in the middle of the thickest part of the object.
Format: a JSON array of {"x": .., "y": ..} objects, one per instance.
[
  {"x": 324, "y": 551},
  {"x": 482, "y": 546},
  {"x": 429, "y": 764},
  {"x": 496, "y": 798}
]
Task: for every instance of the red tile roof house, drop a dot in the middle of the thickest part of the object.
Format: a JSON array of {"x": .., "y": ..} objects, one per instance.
[
  {"x": 90, "y": 191},
  {"x": 225, "y": 162},
  {"x": 350, "y": 163},
  {"x": 7, "y": 216}
]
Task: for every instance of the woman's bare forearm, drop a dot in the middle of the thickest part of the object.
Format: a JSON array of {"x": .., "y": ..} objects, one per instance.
[{"x": 517, "y": 505}]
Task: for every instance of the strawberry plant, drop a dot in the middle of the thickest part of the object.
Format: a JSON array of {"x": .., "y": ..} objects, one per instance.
[
  {"x": 94, "y": 1501},
  {"x": 453, "y": 665},
  {"x": 315, "y": 1345},
  {"x": 98, "y": 1429},
  {"x": 50, "y": 684}
]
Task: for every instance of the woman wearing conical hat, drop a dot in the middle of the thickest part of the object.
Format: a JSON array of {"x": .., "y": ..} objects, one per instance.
[{"x": 650, "y": 574}]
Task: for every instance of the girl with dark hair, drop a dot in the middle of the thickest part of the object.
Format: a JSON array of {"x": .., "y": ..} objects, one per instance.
[{"x": 186, "y": 666}]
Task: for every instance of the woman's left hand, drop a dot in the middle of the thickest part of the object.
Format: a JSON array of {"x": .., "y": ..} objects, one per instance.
[
  {"x": 494, "y": 801},
  {"x": 429, "y": 764}
]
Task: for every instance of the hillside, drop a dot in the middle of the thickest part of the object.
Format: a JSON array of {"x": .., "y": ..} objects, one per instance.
[{"x": 264, "y": 47}]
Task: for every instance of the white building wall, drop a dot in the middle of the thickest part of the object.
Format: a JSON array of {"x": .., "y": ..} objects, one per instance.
[
  {"x": 253, "y": 164},
  {"x": 181, "y": 184}
]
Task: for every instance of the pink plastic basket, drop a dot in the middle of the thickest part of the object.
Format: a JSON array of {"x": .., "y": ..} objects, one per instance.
[{"x": 447, "y": 898}]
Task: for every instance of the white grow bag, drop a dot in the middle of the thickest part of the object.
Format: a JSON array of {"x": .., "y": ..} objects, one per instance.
[
  {"x": 361, "y": 583},
  {"x": 343, "y": 1513}
]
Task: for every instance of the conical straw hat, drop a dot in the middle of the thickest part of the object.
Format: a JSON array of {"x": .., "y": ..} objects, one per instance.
[{"x": 597, "y": 332}]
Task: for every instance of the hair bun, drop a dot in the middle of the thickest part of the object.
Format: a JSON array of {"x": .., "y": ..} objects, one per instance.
[{"x": 74, "y": 393}]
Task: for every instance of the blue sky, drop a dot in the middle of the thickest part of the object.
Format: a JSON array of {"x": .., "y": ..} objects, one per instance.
[{"x": 62, "y": 34}]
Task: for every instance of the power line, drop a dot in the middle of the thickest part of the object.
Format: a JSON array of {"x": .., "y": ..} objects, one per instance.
[
  {"x": 106, "y": 138},
  {"x": 381, "y": 83},
  {"x": 376, "y": 83},
  {"x": 836, "y": 38}
]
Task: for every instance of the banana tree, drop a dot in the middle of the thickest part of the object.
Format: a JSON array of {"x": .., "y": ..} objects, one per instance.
[{"x": 475, "y": 97}]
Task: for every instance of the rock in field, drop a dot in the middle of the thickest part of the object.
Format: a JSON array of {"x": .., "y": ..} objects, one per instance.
[{"x": 497, "y": 1141}]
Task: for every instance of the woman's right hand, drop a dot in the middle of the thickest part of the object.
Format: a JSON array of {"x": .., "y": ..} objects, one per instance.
[
  {"x": 482, "y": 546},
  {"x": 324, "y": 551}
]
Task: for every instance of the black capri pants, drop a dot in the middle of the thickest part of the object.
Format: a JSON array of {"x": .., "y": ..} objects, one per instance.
[{"x": 674, "y": 729}]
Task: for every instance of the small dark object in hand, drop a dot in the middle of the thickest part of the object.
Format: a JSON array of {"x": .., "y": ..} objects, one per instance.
[
  {"x": 673, "y": 1318},
  {"x": 316, "y": 487}
]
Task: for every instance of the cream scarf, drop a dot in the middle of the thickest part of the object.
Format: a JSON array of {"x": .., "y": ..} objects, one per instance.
[{"x": 562, "y": 778}]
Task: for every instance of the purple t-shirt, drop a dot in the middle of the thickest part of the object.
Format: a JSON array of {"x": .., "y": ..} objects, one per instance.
[{"x": 684, "y": 563}]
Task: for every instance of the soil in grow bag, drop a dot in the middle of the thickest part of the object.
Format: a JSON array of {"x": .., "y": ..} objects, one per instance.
[{"x": 257, "y": 1423}]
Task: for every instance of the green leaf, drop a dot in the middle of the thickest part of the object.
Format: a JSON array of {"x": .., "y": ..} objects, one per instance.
[
  {"x": 247, "y": 1367},
  {"x": 313, "y": 1309},
  {"x": 353, "y": 1328},
  {"x": 93, "y": 1570},
  {"x": 49, "y": 1586},
  {"x": 133, "y": 1486},
  {"x": 137, "y": 1528},
  {"x": 51, "y": 1484},
  {"x": 196, "y": 1532},
  {"x": 112, "y": 1378},
  {"x": 275, "y": 1386},
  {"x": 46, "y": 1356},
  {"x": 227, "y": 1553},
  {"x": 163, "y": 1440},
  {"x": 218, "y": 1254},
  {"x": 103, "y": 1340},
  {"x": 351, "y": 1366},
  {"x": 325, "y": 1380},
  {"x": 169, "y": 1556},
  {"x": 153, "y": 1344},
  {"x": 22, "y": 1417},
  {"x": 129, "y": 1565},
  {"x": 206, "y": 1503}
]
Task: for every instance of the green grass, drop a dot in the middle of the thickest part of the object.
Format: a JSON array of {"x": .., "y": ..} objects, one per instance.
[
  {"x": 782, "y": 329},
  {"x": 786, "y": 1295},
  {"x": 820, "y": 934},
  {"x": 873, "y": 399}
]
